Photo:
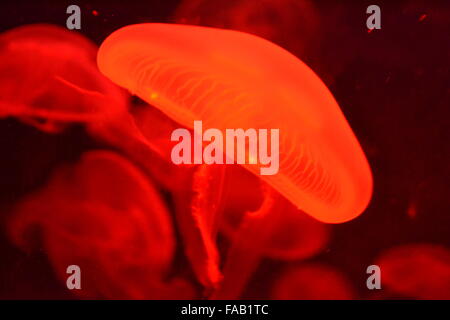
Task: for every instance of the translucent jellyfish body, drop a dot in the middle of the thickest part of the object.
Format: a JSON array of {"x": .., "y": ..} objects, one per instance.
[
  {"x": 103, "y": 215},
  {"x": 49, "y": 78},
  {"x": 293, "y": 24},
  {"x": 231, "y": 79},
  {"x": 312, "y": 282},
  {"x": 417, "y": 271}
]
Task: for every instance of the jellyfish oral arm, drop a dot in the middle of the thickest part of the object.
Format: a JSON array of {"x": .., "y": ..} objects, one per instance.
[{"x": 235, "y": 147}]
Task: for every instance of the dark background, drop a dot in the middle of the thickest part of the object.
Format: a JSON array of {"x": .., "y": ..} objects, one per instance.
[{"x": 392, "y": 84}]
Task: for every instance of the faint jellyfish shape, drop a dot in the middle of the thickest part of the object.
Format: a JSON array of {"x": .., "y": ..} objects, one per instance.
[
  {"x": 276, "y": 230},
  {"x": 312, "y": 282},
  {"x": 197, "y": 195},
  {"x": 293, "y": 24},
  {"x": 220, "y": 77},
  {"x": 416, "y": 270},
  {"x": 243, "y": 192},
  {"x": 103, "y": 215},
  {"x": 292, "y": 235},
  {"x": 146, "y": 147},
  {"x": 49, "y": 78}
]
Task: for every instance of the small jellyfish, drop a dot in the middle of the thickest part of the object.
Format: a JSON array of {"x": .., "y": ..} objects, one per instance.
[
  {"x": 312, "y": 282},
  {"x": 103, "y": 215},
  {"x": 49, "y": 78},
  {"x": 416, "y": 271}
]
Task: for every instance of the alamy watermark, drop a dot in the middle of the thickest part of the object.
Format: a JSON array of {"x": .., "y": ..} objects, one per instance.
[{"x": 228, "y": 148}]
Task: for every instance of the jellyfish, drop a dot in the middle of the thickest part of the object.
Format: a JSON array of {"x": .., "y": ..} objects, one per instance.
[
  {"x": 221, "y": 77},
  {"x": 49, "y": 79},
  {"x": 277, "y": 230},
  {"x": 197, "y": 195},
  {"x": 293, "y": 24},
  {"x": 103, "y": 215},
  {"x": 142, "y": 143},
  {"x": 231, "y": 79},
  {"x": 419, "y": 270},
  {"x": 312, "y": 281},
  {"x": 293, "y": 235}
]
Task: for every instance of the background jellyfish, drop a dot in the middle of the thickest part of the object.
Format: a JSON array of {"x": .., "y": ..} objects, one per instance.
[
  {"x": 49, "y": 78},
  {"x": 276, "y": 230},
  {"x": 420, "y": 271},
  {"x": 312, "y": 282},
  {"x": 293, "y": 24},
  {"x": 103, "y": 214}
]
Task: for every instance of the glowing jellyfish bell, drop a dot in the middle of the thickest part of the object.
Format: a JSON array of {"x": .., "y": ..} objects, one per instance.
[{"x": 230, "y": 79}]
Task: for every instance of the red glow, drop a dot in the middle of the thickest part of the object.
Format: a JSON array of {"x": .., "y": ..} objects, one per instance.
[
  {"x": 417, "y": 271},
  {"x": 87, "y": 176},
  {"x": 422, "y": 17},
  {"x": 332, "y": 182},
  {"x": 311, "y": 282},
  {"x": 49, "y": 79},
  {"x": 104, "y": 214}
]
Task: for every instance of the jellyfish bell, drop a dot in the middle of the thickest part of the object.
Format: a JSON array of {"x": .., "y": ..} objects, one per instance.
[
  {"x": 49, "y": 78},
  {"x": 418, "y": 270},
  {"x": 104, "y": 215},
  {"x": 231, "y": 79}
]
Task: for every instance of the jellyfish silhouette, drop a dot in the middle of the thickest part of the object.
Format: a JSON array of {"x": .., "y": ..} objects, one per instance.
[
  {"x": 310, "y": 282},
  {"x": 291, "y": 236},
  {"x": 103, "y": 215},
  {"x": 419, "y": 270},
  {"x": 49, "y": 79},
  {"x": 231, "y": 79},
  {"x": 293, "y": 24}
]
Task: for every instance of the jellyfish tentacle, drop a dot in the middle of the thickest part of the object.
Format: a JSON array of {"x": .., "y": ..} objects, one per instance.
[
  {"x": 198, "y": 212},
  {"x": 247, "y": 248}
]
